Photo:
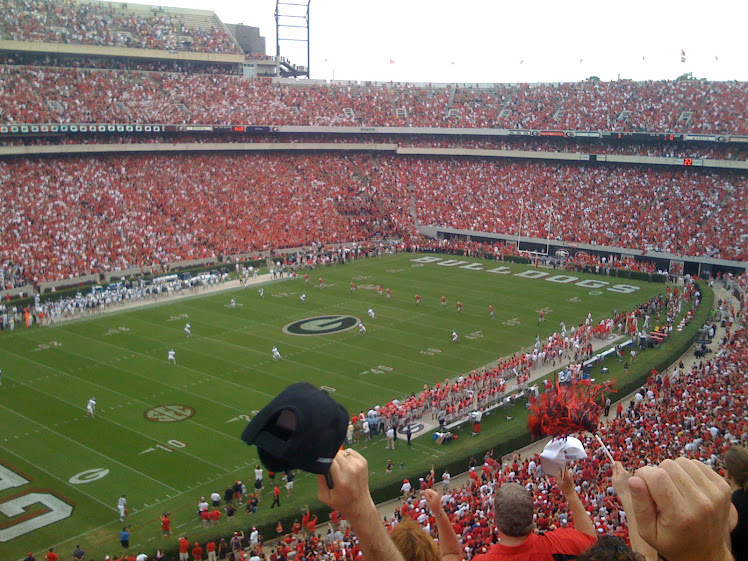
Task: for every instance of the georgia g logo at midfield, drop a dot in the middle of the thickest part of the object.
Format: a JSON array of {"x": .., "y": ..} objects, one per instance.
[{"x": 321, "y": 325}]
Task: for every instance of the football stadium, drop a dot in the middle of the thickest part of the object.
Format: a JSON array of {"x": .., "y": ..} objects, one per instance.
[{"x": 250, "y": 312}]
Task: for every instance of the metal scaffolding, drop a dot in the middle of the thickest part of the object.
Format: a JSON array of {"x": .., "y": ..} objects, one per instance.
[{"x": 287, "y": 16}]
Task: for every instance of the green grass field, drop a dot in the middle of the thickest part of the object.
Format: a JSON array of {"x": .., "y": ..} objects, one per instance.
[{"x": 62, "y": 473}]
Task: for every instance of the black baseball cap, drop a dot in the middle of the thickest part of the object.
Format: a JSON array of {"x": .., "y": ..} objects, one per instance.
[{"x": 302, "y": 428}]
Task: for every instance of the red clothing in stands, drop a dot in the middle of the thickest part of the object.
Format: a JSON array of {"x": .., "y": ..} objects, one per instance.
[{"x": 541, "y": 547}]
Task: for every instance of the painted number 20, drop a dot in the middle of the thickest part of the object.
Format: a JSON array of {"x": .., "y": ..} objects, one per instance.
[
  {"x": 54, "y": 509},
  {"x": 381, "y": 369}
]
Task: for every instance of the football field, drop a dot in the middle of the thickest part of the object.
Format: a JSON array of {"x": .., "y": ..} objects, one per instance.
[{"x": 165, "y": 434}]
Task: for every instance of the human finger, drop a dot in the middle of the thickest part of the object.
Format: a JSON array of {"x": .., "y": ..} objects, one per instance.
[
  {"x": 348, "y": 457},
  {"x": 620, "y": 476},
  {"x": 430, "y": 495},
  {"x": 698, "y": 477},
  {"x": 715, "y": 478},
  {"x": 620, "y": 471},
  {"x": 668, "y": 483},
  {"x": 566, "y": 480},
  {"x": 324, "y": 493},
  {"x": 645, "y": 509},
  {"x": 718, "y": 491}
]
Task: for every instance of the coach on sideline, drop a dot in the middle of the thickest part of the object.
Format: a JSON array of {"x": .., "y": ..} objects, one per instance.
[{"x": 514, "y": 510}]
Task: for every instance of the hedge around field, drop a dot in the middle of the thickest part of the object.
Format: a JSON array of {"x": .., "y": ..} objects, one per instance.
[
  {"x": 518, "y": 259},
  {"x": 621, "y": 273}
]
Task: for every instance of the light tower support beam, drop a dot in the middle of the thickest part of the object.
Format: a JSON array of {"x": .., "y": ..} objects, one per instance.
[{"x": 290, "y": 16}]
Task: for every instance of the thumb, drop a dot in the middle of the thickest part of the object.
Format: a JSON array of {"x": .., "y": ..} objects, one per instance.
[{"x": 645, "y": 509}]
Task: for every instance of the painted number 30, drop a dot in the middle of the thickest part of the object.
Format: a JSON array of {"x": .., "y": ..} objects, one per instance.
[{"x": 52, "y": 509}]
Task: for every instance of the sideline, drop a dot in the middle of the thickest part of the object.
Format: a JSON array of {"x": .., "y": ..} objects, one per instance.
[{"x": 223, "y": 286}]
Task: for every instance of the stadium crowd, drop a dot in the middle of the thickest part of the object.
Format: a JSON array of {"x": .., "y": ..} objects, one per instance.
[
  {"x": 585, "y": 262},
  {"x": 67, "y": 217},
  {"x": 593, "y": 105},
  {"x": 66, "y": 21},
  {"x": 124, "y": 212},
  {"x": 118, "y": 96},
  {"x": 670, "y": 211},
  {"x": 64, "y": 217},
  {"x": 60, "y": 61}
]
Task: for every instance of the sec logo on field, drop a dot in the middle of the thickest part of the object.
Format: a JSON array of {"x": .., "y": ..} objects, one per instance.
[
  {"x": 169, "y": 413},
  {"x": 321, "y": 325}
]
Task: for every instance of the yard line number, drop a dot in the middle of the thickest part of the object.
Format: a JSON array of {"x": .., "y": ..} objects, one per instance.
[{"x": 381, "y": 369}]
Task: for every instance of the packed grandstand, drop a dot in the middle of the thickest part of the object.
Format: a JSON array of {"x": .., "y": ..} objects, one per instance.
[
  {"x": 212, "y": 194},
  {"x": 81, "y": 95},
  {"x": 187, "y": 200}
]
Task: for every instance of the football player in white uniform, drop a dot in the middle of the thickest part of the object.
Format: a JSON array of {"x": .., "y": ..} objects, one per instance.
[
  {"x": 91, "y": 408},
  {"x": 122, "y": 508}
]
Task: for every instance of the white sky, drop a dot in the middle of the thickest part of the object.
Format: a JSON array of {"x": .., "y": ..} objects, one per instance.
[{"x": 485, "y": 40}]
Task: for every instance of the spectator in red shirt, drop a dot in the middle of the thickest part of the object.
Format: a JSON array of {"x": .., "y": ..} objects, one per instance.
[
  {"x": 210, "y": 549},
  {"x": 514, "y": 510},
  {"x": 312, "y": 524},
  {"x": 184, "y": 549},
  {"x": 305, "y": 519}
]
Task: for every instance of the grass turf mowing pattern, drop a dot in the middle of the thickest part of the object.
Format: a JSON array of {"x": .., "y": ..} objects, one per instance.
[{"x": 226, "y": 370}]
